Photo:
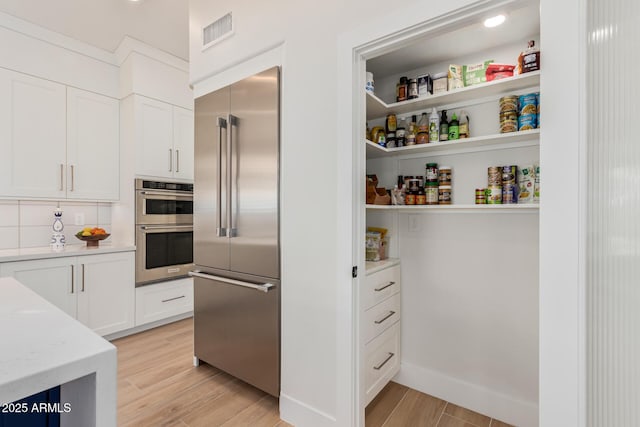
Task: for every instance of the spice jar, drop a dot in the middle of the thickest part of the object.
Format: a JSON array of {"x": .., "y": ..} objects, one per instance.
[
  {"x": 444, "y": 175},
  {"x": 410, "y": 198},
  {"x": 421, "y": 198},
  {"x": 431, "y": 194},
  {"x": 444, "y": 195},
  {"x": 401, "y": 90},
  {"x": 413, "y": 88}
]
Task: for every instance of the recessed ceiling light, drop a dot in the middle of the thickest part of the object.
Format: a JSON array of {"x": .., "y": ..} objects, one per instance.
[{"x": 494, "y": 21}]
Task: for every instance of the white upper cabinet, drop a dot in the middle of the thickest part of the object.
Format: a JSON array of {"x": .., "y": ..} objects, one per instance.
[
  {"x": 93, "y": 142},
  {"x": 183, "y": 140},
  {"x": 32, "y": 136},
  {"x": 164, "y": 139},
  {"x": 57, "y": 142}
]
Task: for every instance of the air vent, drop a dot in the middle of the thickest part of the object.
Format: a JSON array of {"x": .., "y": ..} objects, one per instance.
[{"x": 217, "y": 31}]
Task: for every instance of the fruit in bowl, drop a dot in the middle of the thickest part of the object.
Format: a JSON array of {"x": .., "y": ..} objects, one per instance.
[{"x": 92, "y": 235}]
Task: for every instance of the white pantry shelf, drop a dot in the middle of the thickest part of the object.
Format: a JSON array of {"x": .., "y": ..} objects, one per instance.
[
  {"x": 531, "y": 207},
  {"x": 377, "y": 108},
  {"x": 498, "y": 141}
]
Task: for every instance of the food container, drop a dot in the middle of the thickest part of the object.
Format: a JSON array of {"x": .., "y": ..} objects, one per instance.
[
  {"x": 527, "y": 122},
  {"x": 444, "y": 175},
  {"x": 444, "y": 195},
  {"x": 494, "y": 175},
  {"x": 431, "y": 177},
  {"x": 425, "y": 85},
  {"x": 415, "y": 184},
  {"x": 527, "y": 104},
  {"x": 410, "y": 198},
  {"x": 431, "y": 194},
  {"x": 481, "y": 197},
  {"x": 508, "y": 126},
  {"x": 421, "y": 198},
  {"x": 494, "y": 194},
  {"x": 369, "y": 86},
  {"x": 526, "y": 182},
  {"x": 508, "y": 103},
  {"x": 509, "y": 174},
  {"x": 439, "y": 83},
  {"x": 509, "y": 194}
]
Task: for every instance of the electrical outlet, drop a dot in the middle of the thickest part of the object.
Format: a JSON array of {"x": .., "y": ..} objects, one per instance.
[
  {"x": 414, "y": 223},
  {"x": 79, "y": 218}
]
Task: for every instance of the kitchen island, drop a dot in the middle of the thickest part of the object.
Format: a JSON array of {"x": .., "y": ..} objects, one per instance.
[{"x": 42, "y": 347}]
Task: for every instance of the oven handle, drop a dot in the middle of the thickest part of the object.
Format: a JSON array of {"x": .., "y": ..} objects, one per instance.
[
  {"x": 168, "y": 195},
  {"x": 266, "y": 287},
  {"x": 166, "y": 228}
]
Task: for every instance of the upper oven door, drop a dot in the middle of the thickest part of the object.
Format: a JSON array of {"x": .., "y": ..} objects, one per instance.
[{"x": 163, "y": 207}]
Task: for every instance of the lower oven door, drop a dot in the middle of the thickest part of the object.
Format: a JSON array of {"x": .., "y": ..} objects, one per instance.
[{"x": 163, "y": 252}]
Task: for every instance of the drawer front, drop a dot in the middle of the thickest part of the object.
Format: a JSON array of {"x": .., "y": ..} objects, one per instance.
[
  {"x": 382, "y": 361},
  {"x": 162, "y": 300},
  {"x": 380, "y": 286},
  {"x": 380, "y": 317}
]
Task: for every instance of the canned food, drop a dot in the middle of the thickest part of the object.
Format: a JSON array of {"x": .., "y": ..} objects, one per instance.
[
  {"x": 432, "y": 173},
  {"x": 494, "y": 175},
  {"x": 527, "y": 122},
  {"x": 527, "y": 104},
  {"x": 444, "y": 195},
  {"x": 509, "y": 193},
  {"x": 509, "y": 174},
  {"x": 508, "y": 115},
  {"x": 494, "y": 194},
  {"x": 431, "y": 194},
  {"x": 444, "y": 175},
  {"x": 509, "y": 103},
  {"x": 508, "y": 126},
  {"x": 481, "y": 197}
]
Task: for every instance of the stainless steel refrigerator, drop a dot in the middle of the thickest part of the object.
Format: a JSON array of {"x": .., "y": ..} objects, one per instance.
[{"x": 236, "y": 230}]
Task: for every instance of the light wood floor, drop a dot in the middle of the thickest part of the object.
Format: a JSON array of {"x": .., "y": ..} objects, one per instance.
[{"x": 159, "y": 386}]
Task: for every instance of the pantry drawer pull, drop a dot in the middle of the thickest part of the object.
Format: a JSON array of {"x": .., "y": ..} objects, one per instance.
[
  {"x": 391, "y": 313},
  {"x": 384, "y": 362},
  {"x": 173, "y": 299},
  {"x": 385, "y": 286}
]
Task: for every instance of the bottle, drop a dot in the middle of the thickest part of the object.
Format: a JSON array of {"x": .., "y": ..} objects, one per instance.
[
  {"x": 57, "y": 238},
  {"x": 422, "y": 137},
  {"x": 464, "y": 124},
  {"x": 411, "y": 133},
  {"x": 401, "y": 133},
  {"x": 401, "y": 90},
  {"x": 444, "y": 126},
  {"x": 413, "y": 89},
  {"x": 434, "y": 126},
  {"x": 392, "y": 123},
  {"x": 529, "y": 60},
  {"x": 454, "y": 128}
]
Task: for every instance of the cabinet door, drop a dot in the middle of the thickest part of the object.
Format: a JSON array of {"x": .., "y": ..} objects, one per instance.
[
  {"x": 53, "y": 279},
  {"x": 107, "y": 292},
  {"x": 32, "y": 136},
  {"x": 154, "y": 138},
  {"x": 183, "y": 142},
  {"x": 93, "y": 146}
]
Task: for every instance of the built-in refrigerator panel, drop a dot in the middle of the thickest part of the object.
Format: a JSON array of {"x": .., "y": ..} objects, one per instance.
[
  {"x": 210, "y": 239},
  {"x": 254, "y": 131}
]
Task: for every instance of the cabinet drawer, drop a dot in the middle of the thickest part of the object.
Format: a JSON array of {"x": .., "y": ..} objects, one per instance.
[
  {"x": 382, "y": 361},
  {"x": 162, "y": 300},
  {"x": 380, "y": 317},
  {"x": 380, "y": 286}
]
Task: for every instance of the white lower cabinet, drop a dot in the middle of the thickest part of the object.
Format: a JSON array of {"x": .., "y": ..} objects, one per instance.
[
  {"x": 98, "y": 290},
  {"x": 380, "y": 312},
  {"x": 159, "y": 301}
]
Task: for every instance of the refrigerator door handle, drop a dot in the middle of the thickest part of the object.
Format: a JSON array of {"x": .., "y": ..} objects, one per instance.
[
  {"x": 265, "y": 287},
  {"x": 220, "y": 230},
  {"x": 232, "y": 180}
]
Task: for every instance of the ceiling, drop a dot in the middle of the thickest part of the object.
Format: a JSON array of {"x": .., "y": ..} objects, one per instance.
[
  {"x": 523, "y": 22},
  {"x": 163, "y": 24}
]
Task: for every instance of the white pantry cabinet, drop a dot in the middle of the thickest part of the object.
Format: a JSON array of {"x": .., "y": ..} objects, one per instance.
[
  {"x": 164, "y": 139},
  {"x": 98, "y": 290},
  {"x": 93, "y": 135},
  {"x": 32, "y": 136},
  {"x": 57, "y": 142}
]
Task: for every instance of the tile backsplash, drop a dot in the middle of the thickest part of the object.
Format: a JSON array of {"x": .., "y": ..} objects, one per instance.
[{"x": 27, "y": 223}]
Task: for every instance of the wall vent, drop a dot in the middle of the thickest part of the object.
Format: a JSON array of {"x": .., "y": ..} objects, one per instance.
[{"x": 217, "y": 31}]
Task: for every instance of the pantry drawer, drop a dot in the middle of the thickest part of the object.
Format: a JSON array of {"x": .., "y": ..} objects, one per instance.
[
  {"x": 380, "y": 286},
  {"x": 162, "y": 300},
  {"x": 382, "y": 361},
  {"x": 381, "y": 316}
]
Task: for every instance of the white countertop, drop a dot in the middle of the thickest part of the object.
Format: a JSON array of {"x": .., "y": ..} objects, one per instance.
[
  {"x": 42, "y": 347},
  {"x": 23, "y": 254},
  {"x": 375, "y": 266}
]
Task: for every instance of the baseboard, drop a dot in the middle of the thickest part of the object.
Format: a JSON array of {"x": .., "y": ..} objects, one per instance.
[
  {"x": 480, "y": 399},
  {"x": 147, "y": 326},
  {"x": 298, "y": 413}
]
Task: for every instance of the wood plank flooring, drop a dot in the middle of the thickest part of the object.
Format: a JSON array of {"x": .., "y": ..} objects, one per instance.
[{"x": 159, "y": 386}]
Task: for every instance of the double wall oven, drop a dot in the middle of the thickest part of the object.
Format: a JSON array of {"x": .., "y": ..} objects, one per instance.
[{"x": 164, "y": 230}]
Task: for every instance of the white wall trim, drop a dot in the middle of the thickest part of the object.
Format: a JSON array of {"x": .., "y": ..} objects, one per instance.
[
  {"x": 468, "y": 395},
  {"x": 37, "y": 32},
  {"x": 300, "y": 414},
  {"x": 129, "y": 45}
]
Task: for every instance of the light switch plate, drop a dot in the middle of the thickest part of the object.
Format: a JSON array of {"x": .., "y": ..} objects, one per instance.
[
  {"x": 79, "y": 218},
  {"x": 414, "y": 223}
]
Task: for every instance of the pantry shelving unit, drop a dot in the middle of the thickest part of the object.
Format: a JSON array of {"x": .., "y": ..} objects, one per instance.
[{"x": 452, "y": 259}]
